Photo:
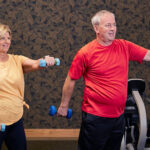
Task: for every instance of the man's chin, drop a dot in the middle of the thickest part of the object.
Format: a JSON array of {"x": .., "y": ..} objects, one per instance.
[{"x": 111, "y": 38}]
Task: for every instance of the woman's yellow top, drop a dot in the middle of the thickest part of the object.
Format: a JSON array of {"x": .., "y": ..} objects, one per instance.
[{"x": 11, "y": 89}]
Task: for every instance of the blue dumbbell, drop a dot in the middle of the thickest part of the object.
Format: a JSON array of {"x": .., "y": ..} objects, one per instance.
[
  {"x": 2, "y": 127},
  {"x": 53, "y": 111},
  {"x": 42, "y": 62}
]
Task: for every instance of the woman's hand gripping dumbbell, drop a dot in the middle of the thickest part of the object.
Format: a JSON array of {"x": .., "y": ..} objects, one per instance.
[
  {"x": 43, "y": 63},
  {"x": 2, "y": 127},
  {"x": 53, "y": 111}
]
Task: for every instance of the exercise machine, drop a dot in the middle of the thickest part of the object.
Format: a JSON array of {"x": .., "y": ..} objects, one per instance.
[{"x": 135, "y": 136}]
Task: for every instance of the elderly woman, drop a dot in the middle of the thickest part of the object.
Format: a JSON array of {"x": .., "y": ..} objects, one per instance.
[{"x": 12, "y": 69}]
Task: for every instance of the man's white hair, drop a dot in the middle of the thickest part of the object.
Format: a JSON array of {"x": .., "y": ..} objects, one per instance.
[{"x": 96, "y": 18}]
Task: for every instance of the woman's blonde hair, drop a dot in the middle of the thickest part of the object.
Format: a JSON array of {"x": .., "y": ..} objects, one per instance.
[{"x": 3, "y": 29}]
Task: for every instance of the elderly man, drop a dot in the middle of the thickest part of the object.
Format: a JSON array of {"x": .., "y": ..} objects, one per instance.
[{"x": 103, "y": 63}]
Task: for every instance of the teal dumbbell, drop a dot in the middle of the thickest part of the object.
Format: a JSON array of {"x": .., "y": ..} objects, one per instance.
[
  {"x": 42, "y": 62},
  {"x": 2, "y": 127},
  {"x": 53, "y": 111}
]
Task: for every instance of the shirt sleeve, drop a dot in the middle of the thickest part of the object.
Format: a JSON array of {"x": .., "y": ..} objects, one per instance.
[
  {"x": 22, "y": 58},
  {"x": 78, "y": 66},
  {"x": 136, "y": 52}
]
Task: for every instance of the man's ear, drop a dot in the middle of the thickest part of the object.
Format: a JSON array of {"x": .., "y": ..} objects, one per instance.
[{"x": 96, "y": 28}]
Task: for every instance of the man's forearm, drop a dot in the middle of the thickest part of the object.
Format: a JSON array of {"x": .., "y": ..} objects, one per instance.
[{"x": 67, "y": 91}]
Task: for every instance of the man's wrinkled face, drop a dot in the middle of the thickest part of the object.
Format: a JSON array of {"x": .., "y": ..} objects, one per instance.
[{"x": 106, "y": 30}]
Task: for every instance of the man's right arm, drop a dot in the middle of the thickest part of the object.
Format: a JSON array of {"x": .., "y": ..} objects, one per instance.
[{"x": 66, "y": 96}]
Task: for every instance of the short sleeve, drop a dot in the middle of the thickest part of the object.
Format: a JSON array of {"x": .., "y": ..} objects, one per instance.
[
  {"x": 136, "y": 52},
  {"x": 78, "y": 66},
  {"x": 22, "y": 58}
]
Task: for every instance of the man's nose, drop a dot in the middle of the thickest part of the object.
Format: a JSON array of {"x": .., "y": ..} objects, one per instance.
[{"x": 113, "y": 27}]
